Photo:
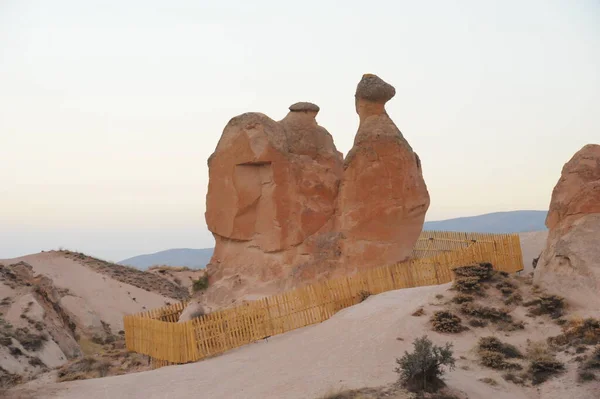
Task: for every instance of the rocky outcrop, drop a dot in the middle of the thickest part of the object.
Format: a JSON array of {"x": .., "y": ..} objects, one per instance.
[
  {"x": 285, "y": 208},
  {"x": 569, "y": 263},
  {"x": 272, "y": 185},
  {"x": 383, "y": 198},
  {"x": 577, "y": 192}
]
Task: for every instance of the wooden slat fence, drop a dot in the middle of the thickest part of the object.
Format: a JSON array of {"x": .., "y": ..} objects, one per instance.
[{"x": 157, "y": 334}]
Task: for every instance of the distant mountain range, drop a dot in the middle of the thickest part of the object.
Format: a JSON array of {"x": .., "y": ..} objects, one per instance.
[
  {"x": 497, "y": 222},
  {"x": 192, "y": 258}
]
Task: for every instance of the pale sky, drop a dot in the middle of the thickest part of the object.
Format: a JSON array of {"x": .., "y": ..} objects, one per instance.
[{"x": 110, "y": 109}]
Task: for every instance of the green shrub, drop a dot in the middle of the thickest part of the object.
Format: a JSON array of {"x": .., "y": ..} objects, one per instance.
[
  {"x": 446, "y": 322},
  {"x": 422, "y": 369},
  {"x": 201, "y": 284}
]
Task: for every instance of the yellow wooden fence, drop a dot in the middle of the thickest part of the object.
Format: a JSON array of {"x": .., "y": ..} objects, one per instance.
[{"x": 157, "y": 334}]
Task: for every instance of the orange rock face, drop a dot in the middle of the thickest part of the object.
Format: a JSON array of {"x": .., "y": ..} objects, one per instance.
[
  {"x": 569, "y": 263},
  {"x": 577, "y": 193},
  {"x": 271, "y": 186},
  {"x": 383, "y": 198},
  {"x": 285, "y": 208}
]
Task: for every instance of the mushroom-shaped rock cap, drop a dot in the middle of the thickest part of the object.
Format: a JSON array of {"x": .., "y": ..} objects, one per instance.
[
  {"x": 373, "y": 88},
  {"x": 305, "y": 107}
]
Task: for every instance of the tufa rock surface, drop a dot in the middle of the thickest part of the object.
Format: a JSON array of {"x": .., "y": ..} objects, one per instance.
[
  {"x": 285, "y": 208},
  {"x": 383, "y": 197},
  {"x": 569, "y": 263}
]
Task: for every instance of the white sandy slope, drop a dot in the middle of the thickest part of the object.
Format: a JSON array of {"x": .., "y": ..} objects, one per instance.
[
  {"x": 92, "y": 296},
  {"x": 356, "y": 348}
]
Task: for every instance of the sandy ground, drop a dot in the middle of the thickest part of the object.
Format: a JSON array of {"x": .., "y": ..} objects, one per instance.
[
  {"x": 356, "y": 348},
  {"x": 92, "y": 296}
]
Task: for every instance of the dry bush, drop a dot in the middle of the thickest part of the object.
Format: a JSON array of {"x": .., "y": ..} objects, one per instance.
[
  {"x": 542, "y": 363},
  {"x": 418, "y": 312},
  {"x": 462, "y": 298},
  {"x": 422, "y": 369},
  {"x": 515, "y": 298},
  {"x": 484, "y": 312},
  {"x": 495, "y": 345},
  {"x": 578, "y": 332},
  {"x": 593, "y": 362},
  {"x": 36, "y": 362},
  {"x": 552, "y": 305},
  {"x": 506, "y": 287},
  {"x": 170, "y": 268},
  {"x": 7, "y": 379},
  {"x": 493, "y": 353},
  {"x": 478, "y": 323},
  {"x": 585, "y": 376},
  {"x": 467, "y": 284},
  {"x": 482, "y": 271},
  {"x": 83, "y": 369},
  {"x": 515, "y": 379},
  {"x": 496, "y": 360},
  {"x": 446, "y": 322},
  {"x": 363, "y": 295},
  {"x": 489, "y": 381},
  {"x": 469, "y": 278},
  {"x": 30, "y": 341}
]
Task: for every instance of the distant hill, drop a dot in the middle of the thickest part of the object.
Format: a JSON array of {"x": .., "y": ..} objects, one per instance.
[
  {"x": 193, "y": 258},
  {"x": 497, "y": 222}
]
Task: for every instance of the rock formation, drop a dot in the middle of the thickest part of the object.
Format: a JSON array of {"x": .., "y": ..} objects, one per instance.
[
  {"x": 569, "y": 263},
  {"x": 275, "y": 207},
  {"x": 271, "y": 186},
  {"x": 383, "y": 198}
]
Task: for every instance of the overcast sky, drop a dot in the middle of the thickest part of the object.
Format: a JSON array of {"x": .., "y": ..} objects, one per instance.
[{"x": 110, "y": 109}]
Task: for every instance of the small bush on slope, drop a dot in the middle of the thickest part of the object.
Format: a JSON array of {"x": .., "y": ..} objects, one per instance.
[
  {"x": 552, "y": 305},
  {"x": 82, "y": 369},
  {"x": 446, "y": 322},
  {"x": 542, "y": 363},
  {"x": 422, "y": 369},
  {"x": 493, "y": 354},
  {"x": 462, "y": 298},
  {"x": 494, "y": 344},
  {"x": 578, "y": 332},
  {"x": 201, "y": 284}
]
